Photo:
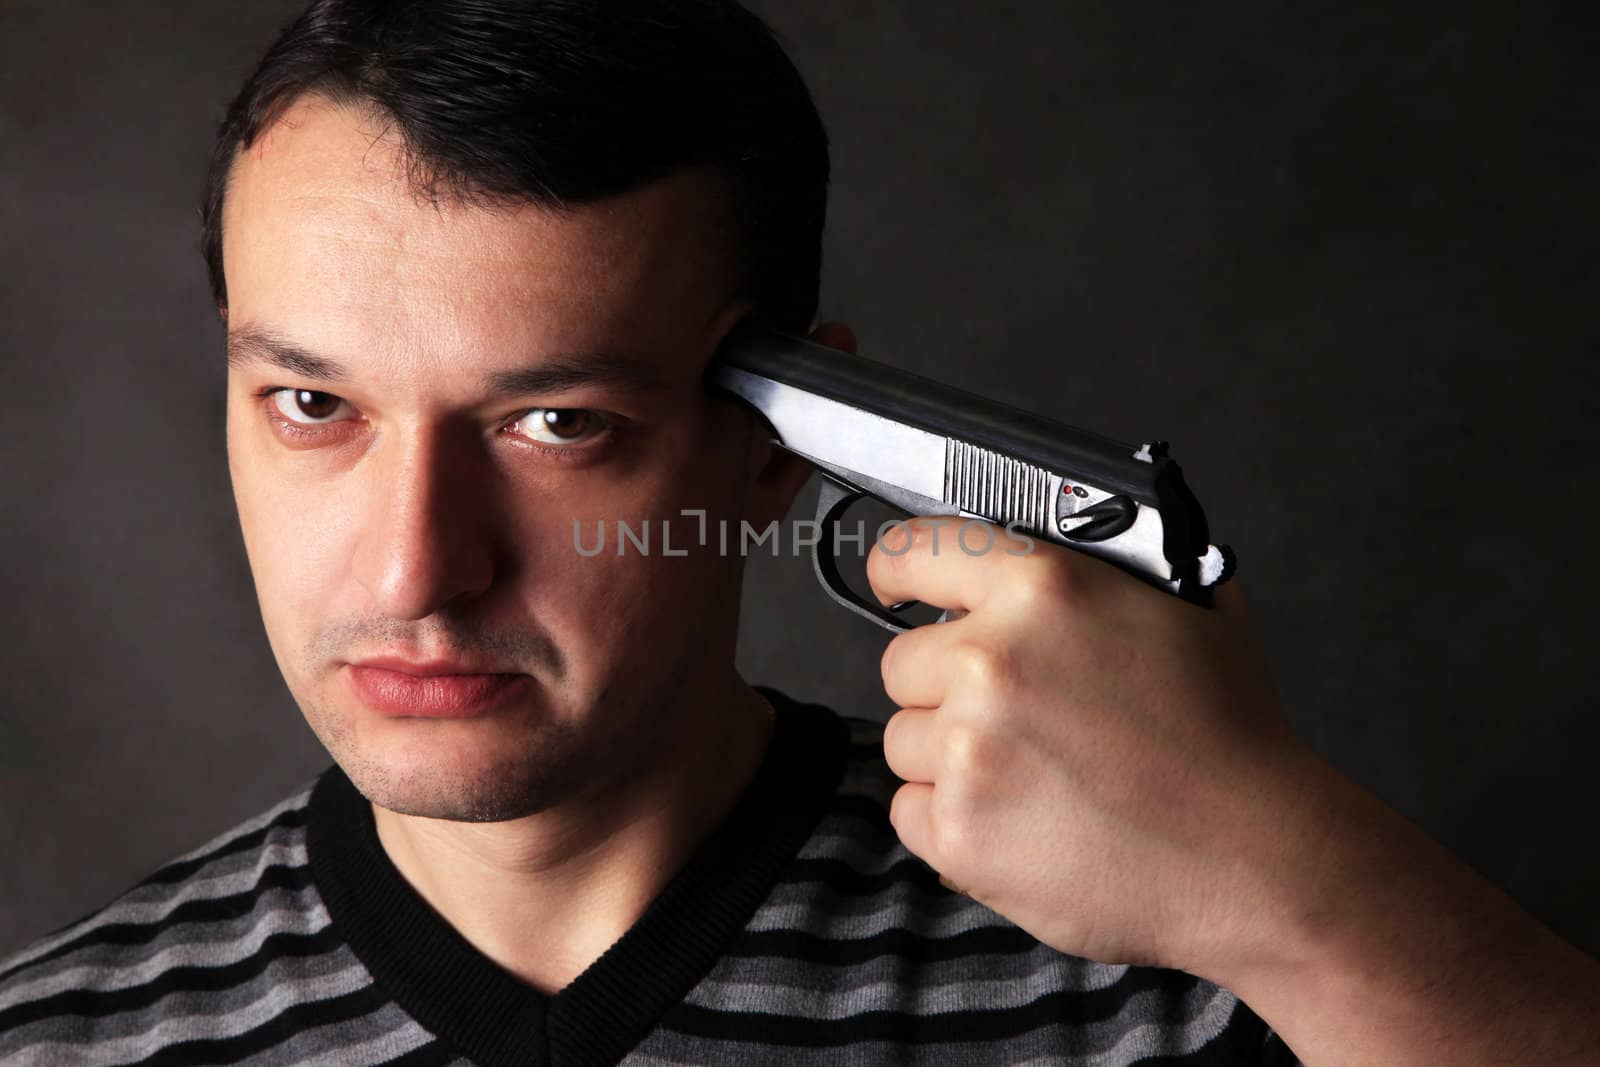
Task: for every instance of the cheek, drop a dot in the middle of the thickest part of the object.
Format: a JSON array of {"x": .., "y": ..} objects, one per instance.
[
  {"x": 614, "y": 598},
  {"x": 629, "y": 616},
  {"x": 294, "y": 537}
]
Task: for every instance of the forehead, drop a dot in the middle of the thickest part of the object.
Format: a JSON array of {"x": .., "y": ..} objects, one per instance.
[{"x": 324, "y": 231}]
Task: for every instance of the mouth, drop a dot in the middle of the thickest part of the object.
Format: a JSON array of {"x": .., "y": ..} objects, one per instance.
[{"x": 397, "y": 693}]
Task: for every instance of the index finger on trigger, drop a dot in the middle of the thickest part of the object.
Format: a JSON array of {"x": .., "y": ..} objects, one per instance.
[{"x": 942, "y": 560}]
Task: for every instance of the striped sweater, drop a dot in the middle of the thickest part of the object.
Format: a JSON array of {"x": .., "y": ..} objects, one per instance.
[{"x": 799, "y": 932}]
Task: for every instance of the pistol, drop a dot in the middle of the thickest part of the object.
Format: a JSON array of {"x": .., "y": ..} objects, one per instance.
[{"x": 872, "y": 430}]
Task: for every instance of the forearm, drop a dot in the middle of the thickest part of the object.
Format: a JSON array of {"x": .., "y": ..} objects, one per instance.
[{"x": 1392, "y": 951}]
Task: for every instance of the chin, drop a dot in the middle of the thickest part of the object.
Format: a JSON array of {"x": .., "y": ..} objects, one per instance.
[{"x": 462, "y": 770}]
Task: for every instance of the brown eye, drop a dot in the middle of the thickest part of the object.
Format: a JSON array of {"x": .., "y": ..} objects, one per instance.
[
  {"x": 315, "y": 405},
  {"x": 305, "y": 405},
  {"x": 566, "y": 423},
  {"x": 561, "y": 425}
]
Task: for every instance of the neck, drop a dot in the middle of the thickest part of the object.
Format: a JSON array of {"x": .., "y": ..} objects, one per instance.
[{"x": 545, "y": 895}]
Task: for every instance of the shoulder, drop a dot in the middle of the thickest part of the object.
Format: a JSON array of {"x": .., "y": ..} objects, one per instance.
[{"x": 189, "y": 941}]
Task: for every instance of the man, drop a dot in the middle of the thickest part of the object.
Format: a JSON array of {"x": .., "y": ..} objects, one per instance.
[{"x": 473, "y": 260}]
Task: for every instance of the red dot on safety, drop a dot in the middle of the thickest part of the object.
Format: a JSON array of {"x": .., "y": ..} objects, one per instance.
[{"x": 1066, "y": 490}]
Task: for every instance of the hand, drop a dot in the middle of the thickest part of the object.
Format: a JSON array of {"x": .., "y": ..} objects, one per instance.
[
  {"x": 1108, "y": 767},
  {"x": 1102, "y": 763}
]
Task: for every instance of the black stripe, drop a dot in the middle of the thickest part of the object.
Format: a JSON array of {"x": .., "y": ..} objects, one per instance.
[
  {"x": 1275, "y": 1052},
  {"x": 1239, "y": 1042},
  {"x": 810, "y": 948},
  {"x": 97, "y": 1004},
  {"x": 211, "y": 909},
  {"x": 1060, "y": 1007},
  {"x": 856, "y": 806},
  {"x": 291, "y": 1022},
  {"x": 844, "y": 879}
]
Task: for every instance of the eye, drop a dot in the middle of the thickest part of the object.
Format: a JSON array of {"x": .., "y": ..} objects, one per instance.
[
  {"x": 305, "y": 406},
  {"x": 560, "y": 426}
]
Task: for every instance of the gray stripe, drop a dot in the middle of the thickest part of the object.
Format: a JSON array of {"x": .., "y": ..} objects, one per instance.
[
  {"x": 803, "y": 917},
  {"x": 284, "y": 846},
  {"x": 1160, "y": 1034},
  {"x": 641, "y": 1059},
  {"x": 791, "y": 973},
  {"x": 279, "y": 974},
  {"x": 899, "y": 893},
  {"x": 298, "y": 799},
  {"x": 148, "y": 903},
  {"x": 185, "y": 1017},
  {"x": 370, "y": 1039},
  {"x": 889, "y": 994},
  {"x": 829, "y": 902},
  {"x": 152, "y": 903},
  {"x": 867, "y": 854},
  {"x": 106, "y": 967}
]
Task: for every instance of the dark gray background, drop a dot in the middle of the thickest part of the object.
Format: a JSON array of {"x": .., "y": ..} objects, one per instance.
[{"x": 1343, "y": 259}]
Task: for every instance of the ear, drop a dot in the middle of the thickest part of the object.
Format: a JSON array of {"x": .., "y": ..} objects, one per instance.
[
  {"x": 835, "y": 335},
  {"x": 775, "y": 477}
]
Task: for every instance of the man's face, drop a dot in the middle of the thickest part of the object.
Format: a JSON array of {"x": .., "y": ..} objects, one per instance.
[{"x": 415, "y": 508}]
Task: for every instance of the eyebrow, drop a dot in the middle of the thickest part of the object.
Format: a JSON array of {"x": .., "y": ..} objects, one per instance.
[{"x": 254, "y": 344}]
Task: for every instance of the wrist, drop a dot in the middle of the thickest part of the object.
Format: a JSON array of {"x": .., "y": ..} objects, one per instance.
[
  {"x": 1270, "y": 905},
  {"x": 1381, "y": 947}
]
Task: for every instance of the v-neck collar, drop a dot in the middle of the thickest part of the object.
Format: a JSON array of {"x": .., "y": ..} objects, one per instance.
[{"x": 459, "y": 994}]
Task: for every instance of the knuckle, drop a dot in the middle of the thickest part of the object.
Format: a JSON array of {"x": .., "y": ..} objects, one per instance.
[
  {"x": 952, "y": 838},
  {"x": 982, "y": 667},
  {"x": 921, "y": 528},
  {"x": 969, "y": 753},
  {"x": 1047, "y": 579}
]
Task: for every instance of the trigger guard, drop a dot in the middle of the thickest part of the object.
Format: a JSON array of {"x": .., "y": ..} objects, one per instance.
[{"x": 833, "y": 499}]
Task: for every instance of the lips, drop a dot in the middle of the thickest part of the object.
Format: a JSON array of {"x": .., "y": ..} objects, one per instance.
[{"x": 438, "y": 695}]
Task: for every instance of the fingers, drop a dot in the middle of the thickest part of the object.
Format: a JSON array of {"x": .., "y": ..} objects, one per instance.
[
  {"x": 943, "y": 560},
  {"x": 909, "y": 814},
  {"x": 910, "y": 745},
  {"x": 913, "y": 667},
  {"x": 930, "y": 665}
]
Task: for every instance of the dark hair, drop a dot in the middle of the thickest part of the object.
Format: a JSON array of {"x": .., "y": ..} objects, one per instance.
[{"x": 562, "y": 102}]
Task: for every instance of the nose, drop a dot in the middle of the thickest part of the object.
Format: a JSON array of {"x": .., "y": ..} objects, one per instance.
[{"x": 426, "y": 540}]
